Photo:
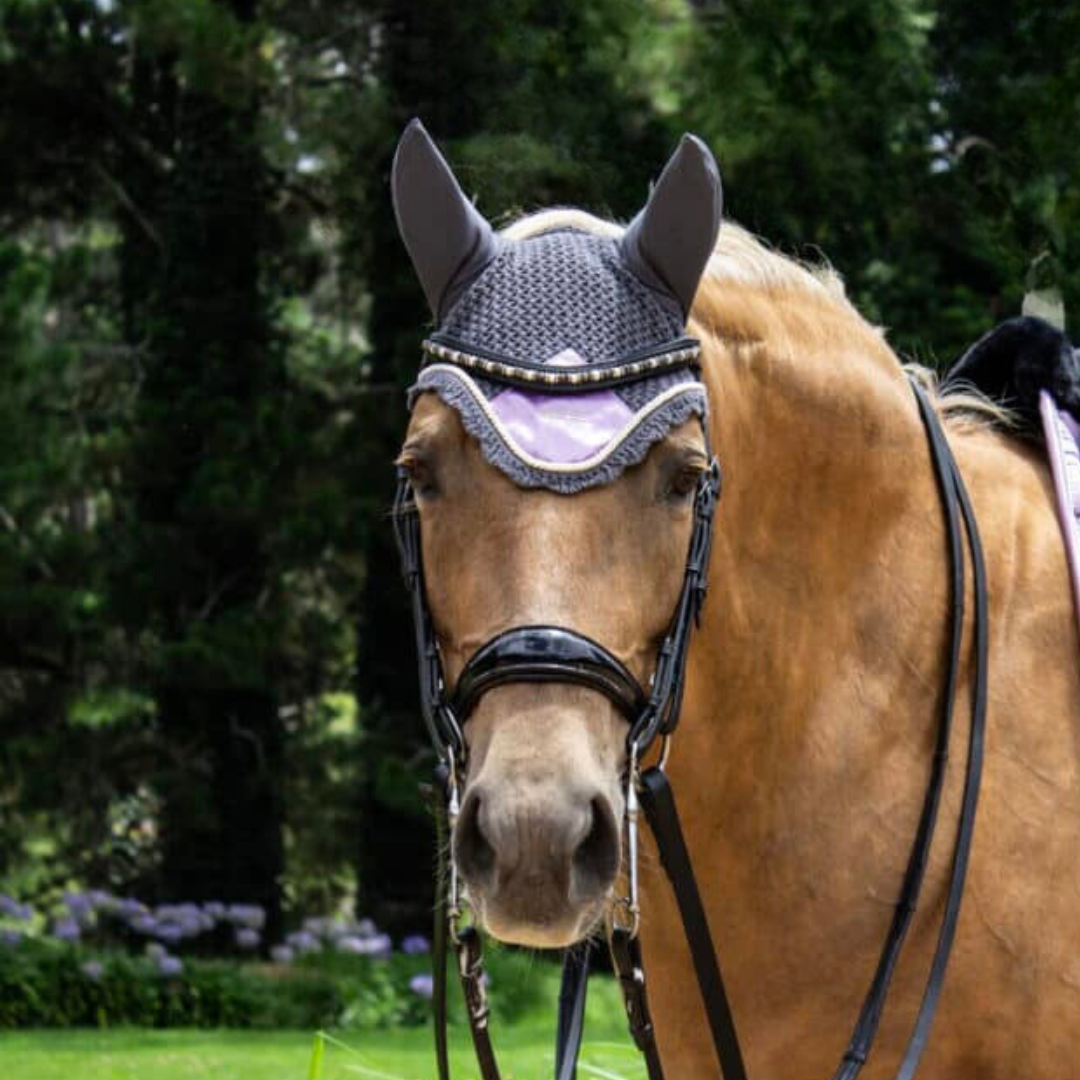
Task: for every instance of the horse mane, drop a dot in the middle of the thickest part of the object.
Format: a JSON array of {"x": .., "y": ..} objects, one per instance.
[{"x": 744, "y": 259}]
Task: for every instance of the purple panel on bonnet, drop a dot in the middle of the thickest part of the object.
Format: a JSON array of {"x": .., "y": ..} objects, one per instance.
[{"x": 561, "y": 429}]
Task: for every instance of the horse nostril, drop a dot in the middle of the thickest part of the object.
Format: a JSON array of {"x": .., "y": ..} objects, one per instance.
[
  {"x": 596, "y": 858},
  {"x": 472, "y": 849}
]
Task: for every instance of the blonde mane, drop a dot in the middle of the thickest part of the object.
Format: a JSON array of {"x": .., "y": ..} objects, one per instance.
[{"x": 742, "y": 258}]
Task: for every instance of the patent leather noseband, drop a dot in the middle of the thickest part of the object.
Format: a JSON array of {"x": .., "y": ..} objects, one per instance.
[{"x": 540, "y": 654}]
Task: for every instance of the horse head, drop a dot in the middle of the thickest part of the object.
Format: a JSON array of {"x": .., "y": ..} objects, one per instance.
[{"x": 555, "y": 456}]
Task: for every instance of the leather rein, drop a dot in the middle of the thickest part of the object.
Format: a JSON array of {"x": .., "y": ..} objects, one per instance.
[{"x": 557, "y": 654}]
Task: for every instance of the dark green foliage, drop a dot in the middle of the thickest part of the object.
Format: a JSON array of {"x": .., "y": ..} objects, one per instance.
[
  {"x": 45, "y": 984},
  {"x": 42, "y": 985},
  {"x": 1011, "y": 136}
]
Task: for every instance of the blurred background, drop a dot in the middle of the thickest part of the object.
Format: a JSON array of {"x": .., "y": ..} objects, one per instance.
[{"x": 207, "y": 683}]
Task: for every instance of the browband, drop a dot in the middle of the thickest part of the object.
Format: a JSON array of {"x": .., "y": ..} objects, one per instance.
[
  {"x": 684, "y": 353},
  {"x": 539, "y": 654}
]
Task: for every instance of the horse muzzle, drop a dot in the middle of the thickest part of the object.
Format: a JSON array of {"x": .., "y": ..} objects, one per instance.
[{"x": 539, "y": 864}]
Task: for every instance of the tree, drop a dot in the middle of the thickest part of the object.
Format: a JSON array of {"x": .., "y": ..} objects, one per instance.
[
  {"x": 208, "y": 470},
  {"x": 76, "y": 731},
  {"x": 1009, "y": 151}
]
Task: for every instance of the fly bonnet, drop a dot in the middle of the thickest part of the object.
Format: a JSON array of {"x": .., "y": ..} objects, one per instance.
[{"x": 565, "y": 353}]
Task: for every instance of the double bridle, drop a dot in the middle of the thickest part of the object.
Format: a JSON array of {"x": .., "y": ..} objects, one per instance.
[{"x": 559, "y": 654}]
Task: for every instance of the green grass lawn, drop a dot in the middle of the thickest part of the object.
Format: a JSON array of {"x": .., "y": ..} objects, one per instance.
[
  {"x": 525, "y": 1047},
  {"x": 525, "y": 1053}
]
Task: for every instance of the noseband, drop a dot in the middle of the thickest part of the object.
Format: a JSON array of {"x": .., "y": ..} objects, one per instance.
[{"x": 541, "y": 654}]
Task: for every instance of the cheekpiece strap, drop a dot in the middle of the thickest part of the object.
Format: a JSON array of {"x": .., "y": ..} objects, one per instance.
[
  {"x": 661, "y": 713},
  {"x": 443, "y": 728}
]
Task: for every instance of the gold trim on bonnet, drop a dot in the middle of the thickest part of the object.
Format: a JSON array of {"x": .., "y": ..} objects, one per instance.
[{"x": 591, "y": 375}]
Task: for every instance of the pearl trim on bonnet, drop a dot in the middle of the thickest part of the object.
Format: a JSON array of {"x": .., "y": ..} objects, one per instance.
[{"x": 592, "y": 375}]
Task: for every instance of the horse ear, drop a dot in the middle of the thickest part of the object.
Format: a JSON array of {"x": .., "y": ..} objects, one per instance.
[
  {"x": 668, "y": 244},
  {"x": 448, "y": 239}
]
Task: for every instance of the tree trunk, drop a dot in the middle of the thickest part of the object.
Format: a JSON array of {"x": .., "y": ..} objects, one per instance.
[{"x": 205, "y": 485}]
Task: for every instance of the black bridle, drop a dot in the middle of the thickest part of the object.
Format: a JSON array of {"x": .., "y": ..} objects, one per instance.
[
  {"x": 558, "y": 654},
  {"x": 555, "y": 653}
]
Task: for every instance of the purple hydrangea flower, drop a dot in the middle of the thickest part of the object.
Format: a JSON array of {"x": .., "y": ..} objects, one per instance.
[
  {"x": 252, "y": 916},
  {"x": 129, "y": 908},
  {"x": 80, "y": 908},
  {"x": 214, "y": 909},
  {"x": 317, "y": 927},
  {"x": 379, "y": 946},
  {"x": 170, "y": 933},
  {"x": 93, "y": 969},
  {"x": 76, "y": 901},
  {"x": 247, "y": 938},
  {"x": 303, "y": 941},
  {"x": 170, "y": 966},
  {"x": 366, "y": 928},
  {"x": 11, "y": 907},
  {"x": 415, "y": 945},
  {"x": 190, "y": 918},
  {"x": 144, "y": 924},
  {"x": 10, "y": 938},
  {"x": 422, "y": 985},
  {"x": 191, "y": 926},
  {"x": 107, "y": 903},
  {"x": 282, "y": 954},
  {"x": 66, "y": 930}
]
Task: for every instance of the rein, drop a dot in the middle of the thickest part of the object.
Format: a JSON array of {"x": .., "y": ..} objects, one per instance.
[{"x": 558, "y": 654}]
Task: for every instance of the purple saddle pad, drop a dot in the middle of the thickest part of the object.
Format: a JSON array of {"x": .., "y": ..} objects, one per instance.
[{"x": 1063, "y": 444}]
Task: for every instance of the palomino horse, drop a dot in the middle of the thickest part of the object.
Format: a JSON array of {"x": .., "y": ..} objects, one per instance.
[{"x": 814, "y": 686}]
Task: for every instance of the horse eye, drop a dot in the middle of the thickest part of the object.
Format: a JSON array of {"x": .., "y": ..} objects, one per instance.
[
  {"x": 421, "y": 475},
  {"x": 682, "y": 482}
]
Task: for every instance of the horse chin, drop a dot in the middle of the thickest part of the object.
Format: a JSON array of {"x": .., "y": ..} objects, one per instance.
[{"x": 546, "y": 929}]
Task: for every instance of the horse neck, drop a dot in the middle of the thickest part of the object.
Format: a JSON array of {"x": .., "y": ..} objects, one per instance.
[{"x": 824, "y": 633}]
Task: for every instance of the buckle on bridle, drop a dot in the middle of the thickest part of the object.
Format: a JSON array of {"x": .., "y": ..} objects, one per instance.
[
  {"x": 630, "y": 903},
  {"x": 453, "y": 889},
  {"x": 471, "y": 969},
  {"x": 708, "y": 494}
]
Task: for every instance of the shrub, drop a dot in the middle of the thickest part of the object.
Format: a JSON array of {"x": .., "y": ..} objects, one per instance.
[
  {"x": 106, "y": 960},
  {"x": 48, "y": 984}
]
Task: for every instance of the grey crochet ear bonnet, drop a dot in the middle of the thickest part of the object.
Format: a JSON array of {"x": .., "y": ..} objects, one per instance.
[{"x": 565, "y": 353}]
